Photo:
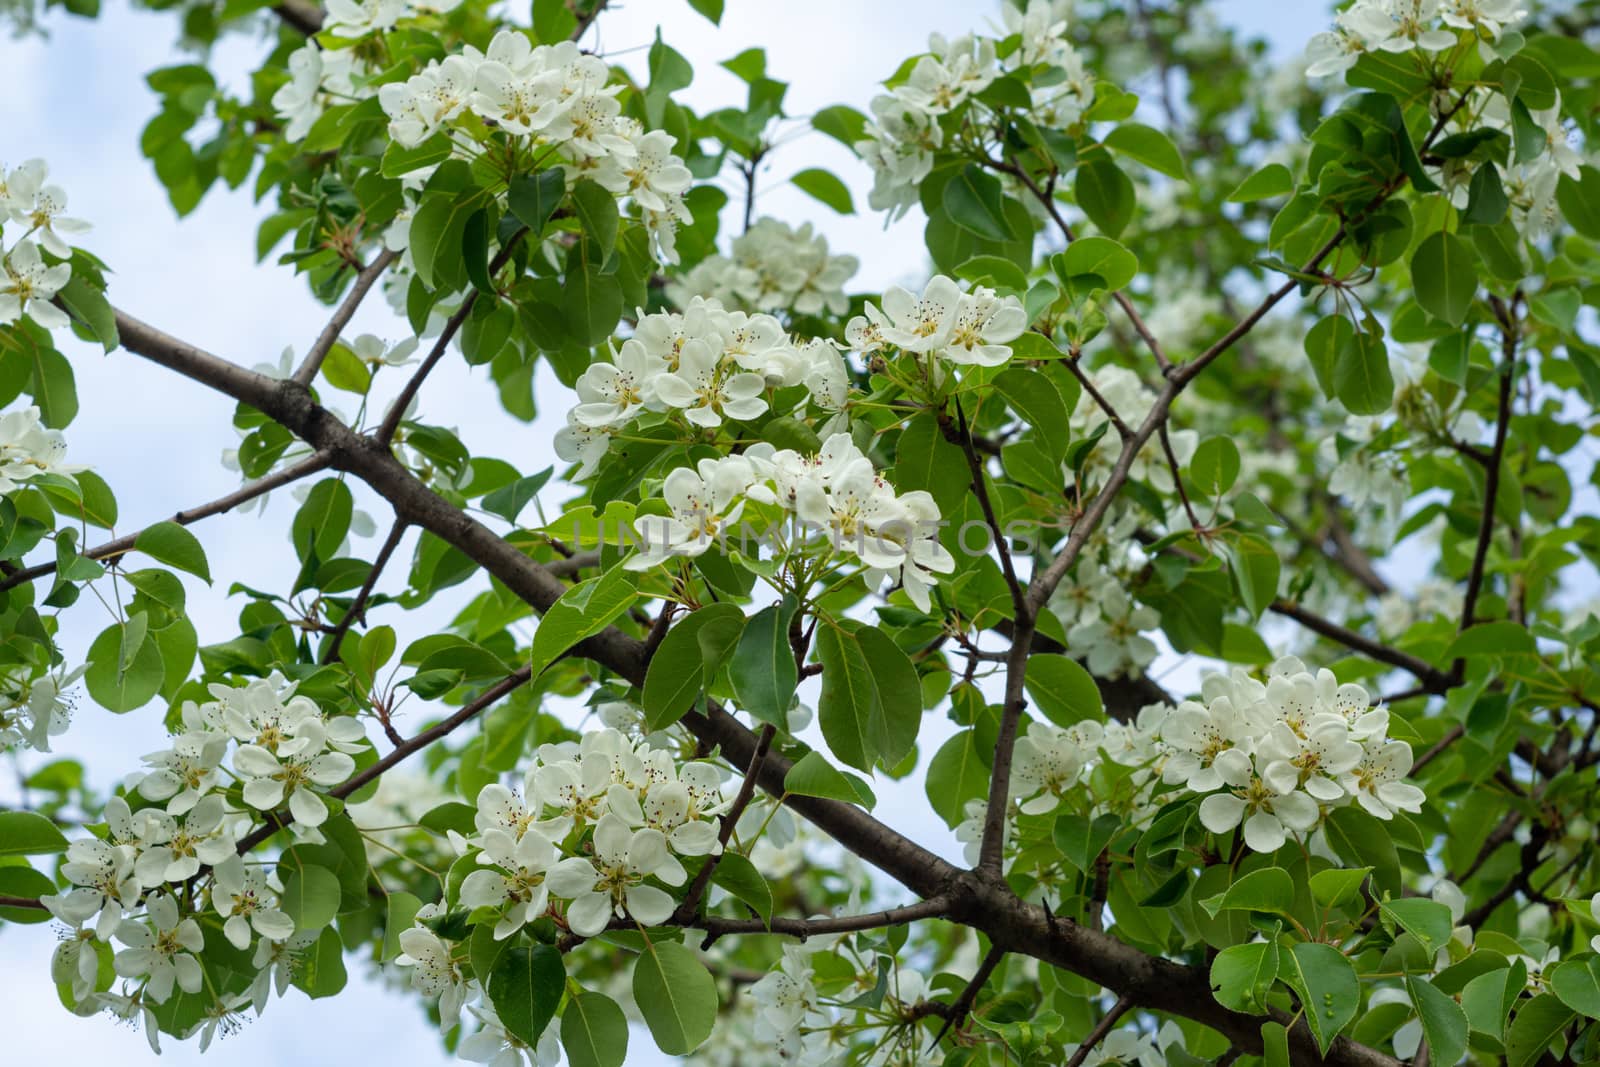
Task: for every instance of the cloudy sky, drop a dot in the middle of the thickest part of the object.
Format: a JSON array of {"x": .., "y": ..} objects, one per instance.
[{"x": 78, "y": 99}]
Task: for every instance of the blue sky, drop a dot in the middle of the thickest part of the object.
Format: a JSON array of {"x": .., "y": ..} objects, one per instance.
[{"x": 78, "y": 99}]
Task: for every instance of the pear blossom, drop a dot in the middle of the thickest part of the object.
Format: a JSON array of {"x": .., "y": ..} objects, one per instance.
[
  {"x": 38, "y": 207},
  {"x": 435, "y": 972},
  {"x": 1376, "y": 781},
  {"x": 704, "y": 394},
  {"x": 270, "y": 779},
  {"x": 612, "y": 884},
  {"x": 27, "y": 285},
  {"x": 161, "y": 949},
  {"x": 240, "y": 894},
  {"x": 521, "y": 883}
]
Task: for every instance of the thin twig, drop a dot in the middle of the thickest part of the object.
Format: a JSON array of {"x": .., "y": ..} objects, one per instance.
[
  {"x": 1491, "y": 477},
  {"x": 980, "y": 488},
  {"x": 397, "y": 412},
  {"x": 307, "y": 372},
  {"x": 1425, "y": 672},
  {"x": 1101, "y": 1029},
  {"x": 357, "y": 611},
  {"x": 294, "y": 472},
  {"x": 962, "y": 1005},
  {"x": 716, "y": 926},
  {"x": 747, "y": 788}
]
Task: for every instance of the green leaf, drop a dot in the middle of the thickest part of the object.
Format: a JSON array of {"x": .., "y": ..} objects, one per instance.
[
  {"x": 1537, "y": 1023},
  {"x": 844, "y": 124},
  {"x": 319, "y": 971},
  {"x": 584, "y": 610},
  {"x": 975, "y": 201},
  {"x": 1270, "y": 181},
  {"x": 509, "y": 500},
  {"x": 1487, "y": 1000},
  {"x": 1358, "y": 837},
  {"x": 398, "y": 160},
  {"x": 1101, "y": 255},
  {"x": 1324, "y": 344},
  {"x": 1428, "y": 920},
  {"x": 1149, "y": 146},
  {"x": 437, "y": 236},
  {"x": 25, "y": 883},
  {"x": 592, "y": 306},
  {"x": 525, "y": 987},
  {"x": 1487, "y": 202},
  {"x": 310, "y": 897},
  {"x": 813, "y": 776},
  {"x": 679, "y": 671},
  {"x": 399, "y": 914},
  {"x": 27, "y": 833},
  {"x": 1334, "y": 886},
  {"x": 711, "y": 9},
  {"x": 169, "y": 543},
  {"x": 52, "y": 386},
  {"x": 1274, "y": 1045},
  {"x": 676, "y": 996},
  {"x": 1269, "y": 889},
  {"x": 1242, "y": 974},
  {"x": 533, "y": 198},
  {"x": 1215, "y": 465},
  {"x": 594, "y": 1031},
  {"x": 870, "y": 706},
  {"x": 1444, "y": 1024},
  {"x": 1256, "y": 570},
  {"x": 323, "y": 520},
  {"x": 1444, "y": 277},
  {"x": 1579, "y": 201},
  {"x": 1577, "y": 983},
  {"x": 825, "y": 186},
  {"x": 90, "y": 307},
  {"x": 956, "y": 774},
  {"x": 597, "y": 212},
  {"x": 740, "y": 877},
  {"x": 1106, "y": 195},
  {"x": 1063, "y": 690},
  {"x": 1329, "y": 990},
  {"x": 1496, "y": 639},
  {"x": 125, "y": 670},
  {"x": 763, "y": 669},
  {"x": 1081, "y": 841},
  {"x": 1034, "y": 396},
  {"x": 1361, "y": 377},
  {"x": 925, "y": 459}
]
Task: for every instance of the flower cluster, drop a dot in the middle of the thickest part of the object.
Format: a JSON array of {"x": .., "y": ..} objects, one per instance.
[
  {"x": 703, "y": 366},
  {"x": 1405, "y": 26},
  {"x": 944, "y": 324},
  {"x": 596, "y": 824},
  {"x": 835, "y": 498},
  {"x": 771, "y": 267},
  {"x": 911, "y": 122},
  {"x": 132, "y": 881},
  {"x": 286, "y": 748},
  {"x": 1275, "y": 756},
  {"x": 28, "y": 282}
]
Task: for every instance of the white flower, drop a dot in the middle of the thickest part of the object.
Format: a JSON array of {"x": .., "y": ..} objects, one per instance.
[
  {"x": 494, "y": 1045},
  {"x": 1112, "y": 642},
  {"x": 185, "y": 772},
  {"x": 38, "y": 207},
  {"x": 357, "y": 18},
  {"x": 520, "y": 883},
  {"x": 28, "y": 286},
  {"x": 984, "y": 325},
  {"x": 1267, "y": 815},
  {"x": 435, "y": 973},
  {"x": 1048, "y": 761},
  {"x": 703, "y": 503},
  {"x": 614, "y": 392},
  {"x": 37, "y": 710},
  {"x": 239, "y": 894},
  {"x": 916, "y": 324},
  {"x": 786, "y": 994},
  {"x": 160, "y": 949},
  {"x": 652, "y": 176},
  {"x": 1487, "y": 16},
  {"x": 105, "y": 886},
  {"x": 375, "y": 352},
  {"x": 613, "y": 882},
  {"x": 176, "y": 855},
  {"x": 269, "y": 778},
  {"x": 1377, "y": 781},
  {"x": 705, "y": 393}
]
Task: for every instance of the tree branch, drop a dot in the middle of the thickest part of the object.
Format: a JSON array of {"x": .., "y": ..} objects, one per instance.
[
  {"x": 747, "y": 788},
  {"x": 982, "y": 902},
  {"x": 961, "y": 1007},
  {"x": 1101, "y": 1029},
  {"x": 121, "y": 545},
  {"x": 358, "y": 607},
  {"x": 307, "y": 372},
  {"x": 716, "y": 926},
  {"x": 1436, "y": 680},
  {"x": 1491, "y": 477}
]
